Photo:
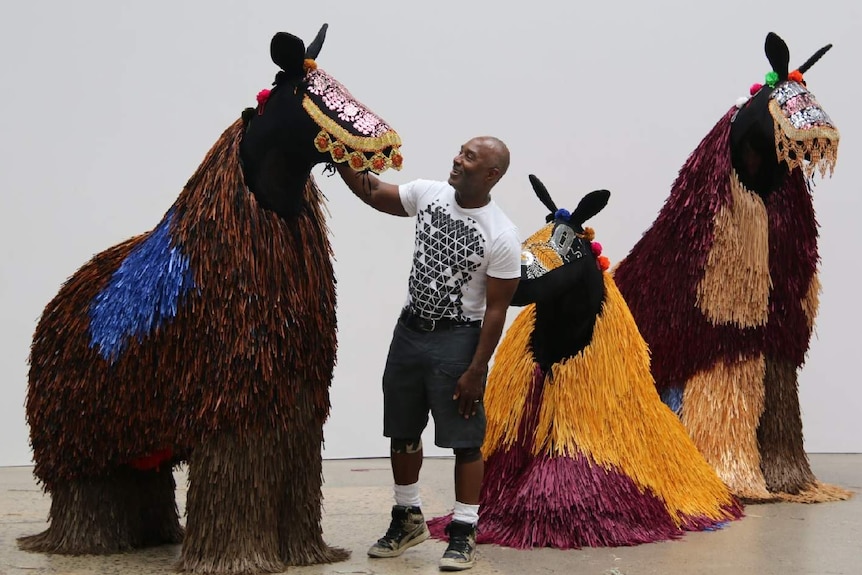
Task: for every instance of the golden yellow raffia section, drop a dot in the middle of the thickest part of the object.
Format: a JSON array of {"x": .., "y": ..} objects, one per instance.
[
  {"x": 734, "y": 390},
  {"x": 603, "y": 403},
  {"x": 819, "y": 143},
  {"x": 509, "y": 383},
  {"x": 735, "y": 285},
  {"x": 811, "y": 301},
  {"x": 361, "y": 143}
]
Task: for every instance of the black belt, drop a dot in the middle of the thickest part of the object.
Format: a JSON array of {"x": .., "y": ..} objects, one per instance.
[{"x": 417, "y": 323}]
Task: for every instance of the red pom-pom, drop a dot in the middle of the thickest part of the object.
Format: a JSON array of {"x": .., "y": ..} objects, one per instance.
[
  {"x": 597, "y": 248},
  {"x": 262, "y": 97},
  {"x": 755, "y": 88}
]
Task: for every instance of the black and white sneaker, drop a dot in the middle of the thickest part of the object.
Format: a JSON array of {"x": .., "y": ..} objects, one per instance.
[
  {"x": 461, "y": 552},
  {"x": 407, "y": 529}
]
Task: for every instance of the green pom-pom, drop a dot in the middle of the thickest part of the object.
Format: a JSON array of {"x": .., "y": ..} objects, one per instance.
[{"x": 772, "y": 79}]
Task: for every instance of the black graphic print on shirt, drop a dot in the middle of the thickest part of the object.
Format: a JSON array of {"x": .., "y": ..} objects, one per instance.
[{"x": 447, "y": 251}]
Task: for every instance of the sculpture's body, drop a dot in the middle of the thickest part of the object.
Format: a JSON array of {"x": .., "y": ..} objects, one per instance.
[
  {"x": 211, "y": 340},
  {"x": 724, "y": 285},
  {"x": 580, "y": 450}
]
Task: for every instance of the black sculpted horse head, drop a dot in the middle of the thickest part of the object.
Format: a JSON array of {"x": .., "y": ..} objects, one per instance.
[
  {"x": 308, "y": 118},
  {"x": 561, "y": 273},
  {"x": 781, "y": 127}
]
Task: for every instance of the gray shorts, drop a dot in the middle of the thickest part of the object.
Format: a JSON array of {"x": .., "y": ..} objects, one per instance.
[{"x": 421, "y": 373}]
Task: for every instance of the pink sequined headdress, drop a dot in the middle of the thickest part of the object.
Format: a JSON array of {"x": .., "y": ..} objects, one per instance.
[{"x": 349, "y": 131}]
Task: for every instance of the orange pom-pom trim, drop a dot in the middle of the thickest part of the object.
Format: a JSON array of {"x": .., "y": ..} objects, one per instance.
[{"x": 604, "y": 263}]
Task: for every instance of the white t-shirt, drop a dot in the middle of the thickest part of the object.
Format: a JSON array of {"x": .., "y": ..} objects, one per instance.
[{"x": 456, "y": 249}]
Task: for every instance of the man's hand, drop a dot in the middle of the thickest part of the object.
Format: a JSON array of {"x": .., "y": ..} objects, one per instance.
[
  {"x": 469, "y": 391},
  {"x": 471, "y": 386}
]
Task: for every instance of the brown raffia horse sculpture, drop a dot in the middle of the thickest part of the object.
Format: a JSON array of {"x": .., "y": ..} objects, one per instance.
[{"x": 211, "y": 340}]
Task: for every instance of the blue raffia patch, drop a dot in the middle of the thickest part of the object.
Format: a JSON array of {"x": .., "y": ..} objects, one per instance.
[
  {"x": 144, "y": 292},
  {"x": 672, "y": 397}
]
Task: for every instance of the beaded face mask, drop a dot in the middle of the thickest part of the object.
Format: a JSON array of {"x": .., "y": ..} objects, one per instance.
[
  {"x": 805, "y": 136},
  {"x": 563, "y": 240},
  {"x": 349, "y": 131},
  {"x": 554, "y": 245}
]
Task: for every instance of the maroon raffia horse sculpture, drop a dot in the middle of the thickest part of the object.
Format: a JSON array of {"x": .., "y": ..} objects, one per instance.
[{"x": 724, "y": 285}]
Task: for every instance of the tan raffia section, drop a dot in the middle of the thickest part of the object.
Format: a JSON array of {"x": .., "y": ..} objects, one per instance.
[
  {"x": 792, "y": 145},
  {"x": 735, "y": 285},
  {"x": 817, "y": 493},
  {"x": 811, "y": 301},
  {"x": 734, "y": 390},
  {"x": 603, "y": 403},
  {"x": 509, "y": 383}
]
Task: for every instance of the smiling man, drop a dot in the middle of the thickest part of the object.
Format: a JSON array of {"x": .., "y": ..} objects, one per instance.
[{"x": 466, "y": 267}]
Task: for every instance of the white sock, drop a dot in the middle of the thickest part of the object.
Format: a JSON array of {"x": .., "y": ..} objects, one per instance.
[
  {"x": 466, "y": 513},
  {"x": 408, "y": 495}
]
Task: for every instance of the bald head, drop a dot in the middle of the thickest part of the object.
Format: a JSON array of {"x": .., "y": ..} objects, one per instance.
[
  {"x": 496, "y": 153},
  {"x": 479, "y": 165}
]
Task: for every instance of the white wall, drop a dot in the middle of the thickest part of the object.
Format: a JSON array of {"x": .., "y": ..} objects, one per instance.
[{"x": 108, "y": 107}]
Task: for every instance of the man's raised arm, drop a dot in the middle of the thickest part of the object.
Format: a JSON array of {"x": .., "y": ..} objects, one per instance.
[{"x": 368, "y": 188}]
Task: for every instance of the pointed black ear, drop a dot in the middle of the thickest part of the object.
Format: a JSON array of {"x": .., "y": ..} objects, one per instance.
[
  {"x": 778, "y": 55},
  {"x": 542, "y": 193},
  {"x": 288, "y": 53},
  {"x": 590, "y": 205},
  {"x": 313, "y": 49},
  {"x": 813, "y": 59}
]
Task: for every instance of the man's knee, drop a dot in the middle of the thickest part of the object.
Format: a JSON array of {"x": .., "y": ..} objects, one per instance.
[
  {"x": 405, "y": 445},
  {"x": 467, "y": 454}
]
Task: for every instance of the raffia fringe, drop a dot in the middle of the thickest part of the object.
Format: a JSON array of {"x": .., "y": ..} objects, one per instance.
[
  {"x": 721, "y": 410},
  {"x": 811, "y": 302},
  {"x": 508, "y": 384},
  {"x": 736, "y": 283},
  {"x": 603, "y": 403},
  {"x": 817, "y": 493}
]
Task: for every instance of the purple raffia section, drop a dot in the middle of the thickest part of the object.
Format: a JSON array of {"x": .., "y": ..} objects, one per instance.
[
  {"x": 565, "y": 502},
  {"x": 659, "y": 277},
  {"x": 793, "y": 262}
]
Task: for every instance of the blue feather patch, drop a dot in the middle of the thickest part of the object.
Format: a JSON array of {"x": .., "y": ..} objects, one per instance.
[{"x": 143, "y": 293}]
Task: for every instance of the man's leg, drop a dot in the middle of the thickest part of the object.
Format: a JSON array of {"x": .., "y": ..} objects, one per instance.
[
  {"x": 407, "y": 527},
  {"x": 406, "y": 460},
  {"x": 405, "y": 415},
  {"x": 454, "y": 351},
  {"x": 469, "y": 470}
]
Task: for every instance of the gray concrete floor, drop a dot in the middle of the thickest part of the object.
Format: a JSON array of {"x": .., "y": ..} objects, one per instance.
[{"x": 784, "y": 538}]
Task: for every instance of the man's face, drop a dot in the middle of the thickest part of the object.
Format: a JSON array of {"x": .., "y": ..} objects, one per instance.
[{"x": 470, "y": 167}]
